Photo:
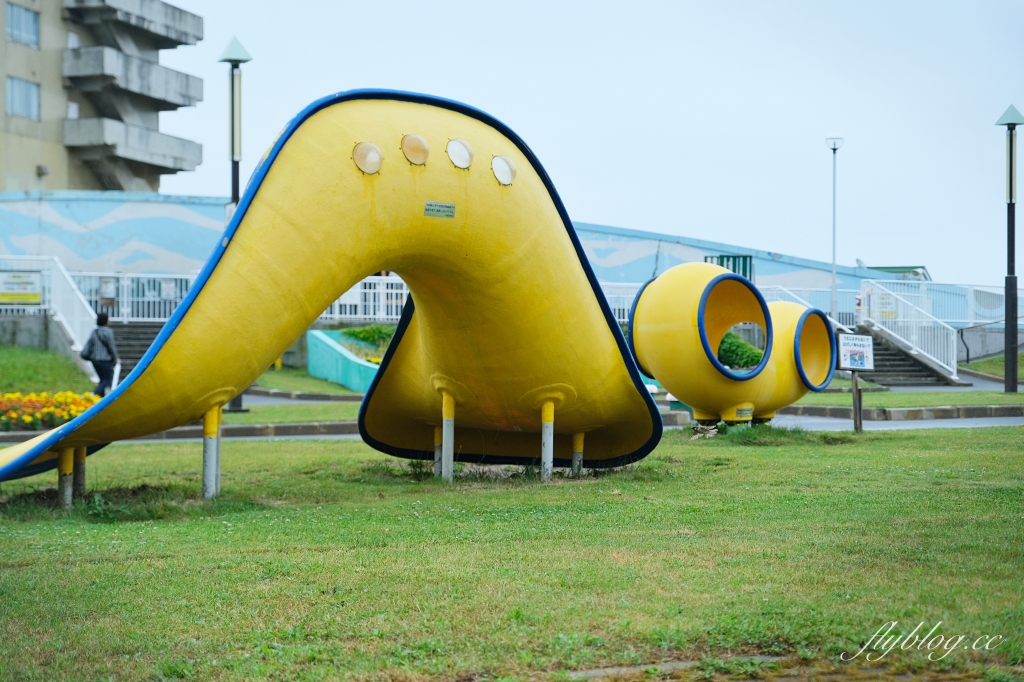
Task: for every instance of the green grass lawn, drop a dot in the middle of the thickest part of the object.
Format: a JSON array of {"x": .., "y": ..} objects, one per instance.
[
  {"x": 302, "y": 412},
  {"x": 916, "y": 399},
  {"x": 28, "y": 370},
  {"x": 297, "y": 379},
  {"x": 995, "y": 365},
  {"x": 327, "y": 560},
  {"x": 846, "y": 383}
]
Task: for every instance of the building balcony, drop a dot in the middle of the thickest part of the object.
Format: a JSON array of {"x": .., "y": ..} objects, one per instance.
[
  {"x": 94, "y": 139},
  {"x": 165, "y": 25},
  {"x": 97, "y": 69}
]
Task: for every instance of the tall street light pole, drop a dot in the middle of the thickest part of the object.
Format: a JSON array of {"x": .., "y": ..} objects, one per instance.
[
  {"x": 834, "y": 142},
  {"x": 1011, "y": 119},
  {"x": 235, "y": 55}
]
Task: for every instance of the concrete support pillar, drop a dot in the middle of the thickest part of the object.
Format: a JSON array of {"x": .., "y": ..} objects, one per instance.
[
  {"x": 438, "y": 439},
  {"x": 78, "y": 484},
  {"x": 577, "y": 454},
  {"x": 547, "y": 440},
  {"x": 211, "y": 452},
  {"x": 447, "y": 436},
  {"x": 65, "y": 472}
]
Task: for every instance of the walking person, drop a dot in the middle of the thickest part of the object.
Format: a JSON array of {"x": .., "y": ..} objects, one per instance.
[{"x": 101, "y": 351}]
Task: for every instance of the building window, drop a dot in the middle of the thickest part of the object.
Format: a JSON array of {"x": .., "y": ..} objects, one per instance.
[
  {"x": 22, "y": 25},
  {"x": 72, "y": 110},
  {"x": 72, "y": 40},
  {"x": 22, "y": 98}
]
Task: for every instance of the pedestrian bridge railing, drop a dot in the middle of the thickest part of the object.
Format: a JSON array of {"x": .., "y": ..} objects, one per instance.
[
  {"x": 44, "y": 279},
  {"x": 909, "y": 326}
]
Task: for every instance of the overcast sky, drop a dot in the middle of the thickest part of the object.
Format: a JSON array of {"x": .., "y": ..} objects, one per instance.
[{"x": 701, "y": 119}]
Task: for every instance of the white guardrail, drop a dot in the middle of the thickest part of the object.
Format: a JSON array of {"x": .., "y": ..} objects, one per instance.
[
  {"x": 909, "y": 326},
  {"x": 59, "y": 296}
]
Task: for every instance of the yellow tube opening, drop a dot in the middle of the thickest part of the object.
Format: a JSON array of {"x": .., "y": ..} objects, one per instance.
[
  {"x": 814, "y": 347},
  {"x": 727, "y": 301}
]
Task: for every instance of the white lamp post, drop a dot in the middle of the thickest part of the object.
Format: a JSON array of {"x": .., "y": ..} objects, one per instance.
[{"x": 834, "y": 142}]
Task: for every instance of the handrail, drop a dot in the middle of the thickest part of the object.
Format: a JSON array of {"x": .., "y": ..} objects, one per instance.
[
  {"x": 911, "y": 326},
  {"x": 836, "y": 324}
]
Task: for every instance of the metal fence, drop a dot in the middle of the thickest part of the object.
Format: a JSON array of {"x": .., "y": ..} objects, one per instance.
[
  {"x": 958, "y": 305},
  {"x": 911, "y": 325},
  {"x": 59, "y": 296},
  {"x": 375, "y": 299},
  {"x": 135, "y": 297}
]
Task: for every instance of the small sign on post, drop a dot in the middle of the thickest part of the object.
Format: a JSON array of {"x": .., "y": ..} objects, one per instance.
[{"x": 856, "y": 353}]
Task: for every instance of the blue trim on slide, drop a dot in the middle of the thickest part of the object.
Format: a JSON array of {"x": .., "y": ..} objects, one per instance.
[
  {"x": 833, "y": 350},
  {"x": 12, "y": 469},
  {"x": 713, "y": 355},
  {"x": 629, "y": 329}
]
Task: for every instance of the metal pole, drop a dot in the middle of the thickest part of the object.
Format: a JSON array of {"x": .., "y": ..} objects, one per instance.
[
  {"x": 447, "y": 436},
  {"x": 858, "y": 415},
  {"x": 835, "y": 294},
  {"x": 547, "y": 440},
  {"x": 1010, "y": 324},
  {"x": 78, "y": 480},
  {"x": 210, "y": 459},
  {"x": 236, "y": 156},
  {"x": 65, "y": 472},
  {"x": 577, "y": 454}
]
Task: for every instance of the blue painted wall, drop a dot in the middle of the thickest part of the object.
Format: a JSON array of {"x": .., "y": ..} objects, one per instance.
[
  {"x": 112, "y": 231},
  {"x": 140, "y": 232}
]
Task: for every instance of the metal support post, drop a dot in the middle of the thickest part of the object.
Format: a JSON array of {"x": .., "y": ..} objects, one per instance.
[
  {"x": 547, "y": 440},
  {"x": 78, "y": 479},
  {"x": 438, "y": 439},
  {"x": 65, "y": 473},
  {"x": 858, "y": 418},
  {"x": 577, "y": 454},
  {"x": 211, "y": 455},
  {"x": 447, "y": 436}
]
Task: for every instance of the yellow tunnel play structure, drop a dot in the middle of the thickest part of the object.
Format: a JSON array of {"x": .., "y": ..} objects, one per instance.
[
  {"x": 509, "y": 332},
  {"x": 679, "y": 320}
]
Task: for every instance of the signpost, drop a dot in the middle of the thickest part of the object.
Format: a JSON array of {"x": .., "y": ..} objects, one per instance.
[
  {"x": 21, "y": 287},
  {"x": 856, "y": 353}
]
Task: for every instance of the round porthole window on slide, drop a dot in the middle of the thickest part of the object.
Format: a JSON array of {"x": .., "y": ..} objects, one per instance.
[
  {"x": 416, "y": 149},
  {"x": 460, "y": 152},
  {"x": 368, "y": 157},
  {"x": 504, "y": 169}
]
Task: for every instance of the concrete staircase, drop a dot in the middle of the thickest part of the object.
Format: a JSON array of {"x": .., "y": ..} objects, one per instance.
[
  {"x": 894, "y": 367},
  {"x": 133, "y": 340}
]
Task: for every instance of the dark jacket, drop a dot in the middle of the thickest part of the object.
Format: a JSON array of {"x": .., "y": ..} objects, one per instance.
[{"x": 101, "y": 346}]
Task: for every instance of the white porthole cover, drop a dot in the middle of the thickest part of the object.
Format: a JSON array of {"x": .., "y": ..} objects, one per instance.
[
  {"x": 368, "y": 157},
  {"x": 504, "y": 169},
  {"x": 416, "y": 149},
  {"x": 460, "y": 152}
]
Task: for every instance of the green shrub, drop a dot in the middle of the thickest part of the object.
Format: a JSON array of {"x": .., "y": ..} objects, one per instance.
[
  {"x": 374, "y": 334},
  {"x": 734, "y": 352}
]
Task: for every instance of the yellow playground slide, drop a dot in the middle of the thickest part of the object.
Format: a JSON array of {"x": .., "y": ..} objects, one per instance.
[{"x": 509, "y": 326}]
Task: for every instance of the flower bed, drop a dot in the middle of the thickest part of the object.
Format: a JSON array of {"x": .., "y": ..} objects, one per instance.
[{"x": 37, "y": 411}]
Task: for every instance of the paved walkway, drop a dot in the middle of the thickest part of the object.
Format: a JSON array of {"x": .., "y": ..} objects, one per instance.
[{"x": 833, "y": 424}]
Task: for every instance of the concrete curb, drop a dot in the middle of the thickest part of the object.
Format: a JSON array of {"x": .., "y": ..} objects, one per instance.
[
  {"x": 895, "y": 414},
  {"x": 228, "y": 431},
  {"x": 299, "y": 395},
  {"x": 983, "y": 375}
]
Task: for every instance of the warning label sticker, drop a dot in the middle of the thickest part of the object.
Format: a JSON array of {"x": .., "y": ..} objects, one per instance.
[{"x": 437, "y": 209}]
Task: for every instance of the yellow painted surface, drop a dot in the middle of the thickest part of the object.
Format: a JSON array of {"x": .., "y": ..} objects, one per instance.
[
  {"x": 666, "y": 336},
  {"x": 779, "y": 384},
  {"x": 503, "y": 306},
  {"x": 66, "y": 461}
]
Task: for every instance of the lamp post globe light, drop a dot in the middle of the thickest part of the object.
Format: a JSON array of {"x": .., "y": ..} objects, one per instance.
[
  {"x": 235, "y": 55},
  {"x": 1011, "y": 119},
  {"x": 834, "y": 142}
]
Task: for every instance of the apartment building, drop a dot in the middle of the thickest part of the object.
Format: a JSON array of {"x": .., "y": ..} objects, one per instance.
[{"x": 83, "y": 93}]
